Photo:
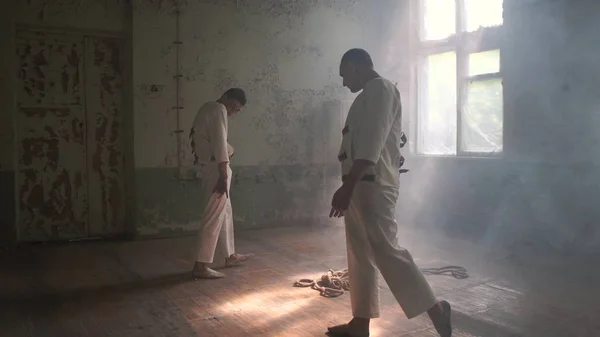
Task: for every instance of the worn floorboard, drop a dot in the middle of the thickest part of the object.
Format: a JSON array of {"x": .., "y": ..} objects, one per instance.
[{"x": 131, "y": 289}]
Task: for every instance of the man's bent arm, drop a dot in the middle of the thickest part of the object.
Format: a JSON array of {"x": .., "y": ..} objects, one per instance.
[
  {"x": 223, "y": 170},
  {"x": 218, "y": 141},
  {"x": 357, "y": 171}
]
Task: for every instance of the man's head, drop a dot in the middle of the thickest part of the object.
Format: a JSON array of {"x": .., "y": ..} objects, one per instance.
[
  {"x": 356, "y": 69},
  {"x": 234, "y": 100}
]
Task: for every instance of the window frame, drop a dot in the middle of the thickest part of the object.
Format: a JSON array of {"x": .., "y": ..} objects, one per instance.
[{"x": 463, "y": 43}]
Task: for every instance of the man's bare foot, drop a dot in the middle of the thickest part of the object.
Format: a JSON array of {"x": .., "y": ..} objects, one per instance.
[
  {"x": 207, "y": 274},
  {"x": 357, "y": 327},
  {"x": 441, "y": 316},
  {"x": 201, "y": 270},
  {"x": 236, "y": 259}
]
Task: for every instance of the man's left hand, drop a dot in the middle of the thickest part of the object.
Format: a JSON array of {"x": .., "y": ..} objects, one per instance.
[{"x": 341, "y": 201}]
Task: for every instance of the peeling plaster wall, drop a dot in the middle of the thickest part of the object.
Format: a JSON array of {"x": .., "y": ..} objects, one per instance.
[
  {"x": 285, "y": 55},
  {"x": 542, "y": 196},
  {"x": 64, "y": 16}
]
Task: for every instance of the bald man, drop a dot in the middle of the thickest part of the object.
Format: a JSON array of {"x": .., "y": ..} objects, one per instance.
[{"x": 370, "y": 159}]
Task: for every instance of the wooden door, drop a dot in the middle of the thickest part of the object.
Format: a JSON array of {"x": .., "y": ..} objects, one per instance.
[
  {"x": 69, "y": 106},
  {"x": 52, "y": 177}
]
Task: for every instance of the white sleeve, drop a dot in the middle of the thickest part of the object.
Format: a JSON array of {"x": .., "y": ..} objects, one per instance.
[
  {"x": 217, "y": 133},
  {"x": 230, "y": 150},
  {"x": 194, "y": 138},
  {"x": 376, "y": 122}
]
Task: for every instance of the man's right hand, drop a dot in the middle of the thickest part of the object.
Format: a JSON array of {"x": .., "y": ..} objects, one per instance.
[{"x": 221, "y": 187}]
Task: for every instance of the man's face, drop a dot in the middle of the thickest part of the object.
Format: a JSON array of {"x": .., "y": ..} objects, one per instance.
[
  {"x": 233, "y": 106},
  {"x": 349, "y": 74}
]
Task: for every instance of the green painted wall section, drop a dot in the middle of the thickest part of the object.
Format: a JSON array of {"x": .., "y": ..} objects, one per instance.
[
  {"x": 165, "y": 205},
  {"x": 261, "y": 196}
]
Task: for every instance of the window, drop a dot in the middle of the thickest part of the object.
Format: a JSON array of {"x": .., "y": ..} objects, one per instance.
[{"x": 459, "y": 105}]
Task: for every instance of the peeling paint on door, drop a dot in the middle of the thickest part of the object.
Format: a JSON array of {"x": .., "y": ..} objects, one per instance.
[
  {"x": 50, "y": 67},
  {"x": 53, "y": 202},
  {"x": 104, "y": 85},
  {"x": 70, "y": 157}
]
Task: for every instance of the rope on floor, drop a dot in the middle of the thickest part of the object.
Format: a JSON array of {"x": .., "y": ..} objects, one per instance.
[
  {"x": 335, "y": 283},
  {"x": 459, "y": 273},
  {"x": 332, "y": 284}
]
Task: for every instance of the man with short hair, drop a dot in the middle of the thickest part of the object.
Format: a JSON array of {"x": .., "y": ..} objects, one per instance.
[
  {"x": 370, "y": 159},
  {"x": 212, "y": 153}
]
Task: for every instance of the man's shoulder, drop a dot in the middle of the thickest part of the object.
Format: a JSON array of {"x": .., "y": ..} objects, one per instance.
[
  {"x": 382, "y": 86},
  {"x": 380, "y": 83},
  {"x": 211, "y": 107}
]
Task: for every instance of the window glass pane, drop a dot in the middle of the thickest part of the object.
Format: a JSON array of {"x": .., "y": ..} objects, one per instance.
[
  {"x": 483, "y": 13},
  {"x": 487, "y": 62},
  {"x": 482, "y": 119},
  {"x": 439, "y": 19},
  {"x": 437, "y": 112}
]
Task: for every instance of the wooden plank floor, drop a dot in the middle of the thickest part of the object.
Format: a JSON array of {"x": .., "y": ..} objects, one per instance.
[{"x": 144, "y": 288}]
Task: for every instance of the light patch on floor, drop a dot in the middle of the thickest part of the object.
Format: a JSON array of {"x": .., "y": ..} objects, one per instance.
[{"x": 145, "y": 288}]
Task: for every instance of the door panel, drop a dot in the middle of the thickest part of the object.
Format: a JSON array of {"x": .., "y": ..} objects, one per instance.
[
  {"x": 50, "y": 69},
  {"x": 69, "y": 129},
  {"x": 104, "y": 88},
  {"x": 53, "y": 201}
]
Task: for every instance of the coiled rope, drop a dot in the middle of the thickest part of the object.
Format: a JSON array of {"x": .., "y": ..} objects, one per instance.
[{"x": 335, "y": 283}]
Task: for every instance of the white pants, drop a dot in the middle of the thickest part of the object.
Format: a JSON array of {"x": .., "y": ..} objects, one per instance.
[
  {"x": 371, "y": 240},
  {"x": 216, "y": 227}
]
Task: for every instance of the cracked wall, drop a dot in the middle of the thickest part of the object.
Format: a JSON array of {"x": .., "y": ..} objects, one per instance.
[
  {"x": 541, "y": 195},
  {"x": 285, "y": 54}
]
